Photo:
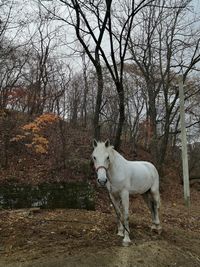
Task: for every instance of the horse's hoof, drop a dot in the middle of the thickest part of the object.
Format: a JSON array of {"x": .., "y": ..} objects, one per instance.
[
  {"x": 159, "y": 230},
  {"x": 126, "y": 244},
  {"x": 156, "y": 228},
  {"x": 153, "y": 228},
  {"x": 120, "y": 234}
]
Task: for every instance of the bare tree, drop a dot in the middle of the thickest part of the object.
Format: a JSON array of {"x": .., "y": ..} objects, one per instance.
[
  {"x": 162, "y": 39},
  {"x": 87, "y": 20},
  {"x": 77, "y": 18}
]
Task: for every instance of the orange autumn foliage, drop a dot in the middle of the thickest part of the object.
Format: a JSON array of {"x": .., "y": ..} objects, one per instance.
[{"x": 34, "y": 130}]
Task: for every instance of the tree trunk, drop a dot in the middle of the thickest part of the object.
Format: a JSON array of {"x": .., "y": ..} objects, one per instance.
[
  {"x": 120, "y": 91},
  {"x": 97, "y": 130},
  {"x": 86, "y": 89},
  {"x": 152, "y": 115}
]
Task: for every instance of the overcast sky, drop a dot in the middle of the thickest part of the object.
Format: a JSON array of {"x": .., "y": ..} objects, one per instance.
[{"x": 63, "y": 35}]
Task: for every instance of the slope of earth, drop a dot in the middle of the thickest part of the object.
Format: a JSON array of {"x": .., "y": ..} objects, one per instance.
[{"x": 44, "y": 238}]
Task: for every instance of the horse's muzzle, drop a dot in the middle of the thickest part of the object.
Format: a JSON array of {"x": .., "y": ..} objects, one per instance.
[{"x": 102, "y": 182}]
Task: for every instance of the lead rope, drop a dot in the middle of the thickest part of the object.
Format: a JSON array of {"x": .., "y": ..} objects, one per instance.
[
  {"x": 115, "y": 209},
  {"x": 117, "y": 214}
]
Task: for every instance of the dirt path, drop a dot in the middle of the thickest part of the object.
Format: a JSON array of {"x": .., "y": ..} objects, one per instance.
[
  {"x": 87, "y": 238},
  {"x": 152, "y": 253}
]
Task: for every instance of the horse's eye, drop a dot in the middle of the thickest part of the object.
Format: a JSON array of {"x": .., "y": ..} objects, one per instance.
[
  {"x": 94, "y": 158},
  {"x": 108, "y": 158}
]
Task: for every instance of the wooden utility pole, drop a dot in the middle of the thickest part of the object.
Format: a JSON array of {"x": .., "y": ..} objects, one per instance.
[{"x": 184, "y": 145}]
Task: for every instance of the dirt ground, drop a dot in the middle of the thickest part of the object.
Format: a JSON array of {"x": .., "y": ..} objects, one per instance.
[{"x": 44, "y": 238}]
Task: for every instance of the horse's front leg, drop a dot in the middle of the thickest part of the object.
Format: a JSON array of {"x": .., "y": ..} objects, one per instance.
[
  {"x": 125, "y": 207},
  {"x": 116, "y": 201}
]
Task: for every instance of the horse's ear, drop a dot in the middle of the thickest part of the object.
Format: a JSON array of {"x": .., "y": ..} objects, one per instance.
[
  {"x": 94, "y": 143},
  {"x": 107, "y": 143}
]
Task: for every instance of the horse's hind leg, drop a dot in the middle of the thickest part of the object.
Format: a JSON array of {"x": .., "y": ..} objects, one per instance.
[
  {"x": 152, "y": 200},
  {"x": 148, "y": 200},
  {"x": 155, "y": 210}
]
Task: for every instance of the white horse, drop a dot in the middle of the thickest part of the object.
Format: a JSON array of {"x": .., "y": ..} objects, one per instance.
[{"x": 123, "y": 177}]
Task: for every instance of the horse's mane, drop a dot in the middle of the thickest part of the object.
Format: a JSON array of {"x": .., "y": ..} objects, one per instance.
[{"x": 114, "y": 153}]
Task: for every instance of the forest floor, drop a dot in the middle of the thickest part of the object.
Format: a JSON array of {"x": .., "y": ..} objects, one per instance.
[{"x": 45, "y": 238}]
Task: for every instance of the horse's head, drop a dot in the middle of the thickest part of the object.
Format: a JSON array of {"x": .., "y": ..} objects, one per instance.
[{"x": 101, "y": 159}]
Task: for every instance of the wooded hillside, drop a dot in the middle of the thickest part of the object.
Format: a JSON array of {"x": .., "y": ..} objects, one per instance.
[{"x": 74, "y": 70}]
